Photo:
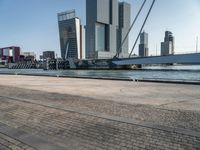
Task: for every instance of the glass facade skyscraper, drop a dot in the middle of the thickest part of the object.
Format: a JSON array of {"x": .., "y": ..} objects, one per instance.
[
  {"x": 143, "y": 46},
  {"x": 167, "y": 47},
  {"x": 100, "y": 37},
  {"x": 71, "y": 35},
  {"x": 124, "y": 25},
  {"x": 107, "y": 22}
]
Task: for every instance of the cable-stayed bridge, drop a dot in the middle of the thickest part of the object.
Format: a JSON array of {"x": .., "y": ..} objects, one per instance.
[{"x": 193, "y": 58}]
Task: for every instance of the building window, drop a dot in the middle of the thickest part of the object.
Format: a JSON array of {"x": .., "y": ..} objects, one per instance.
[{"x": 100, "y": 37}]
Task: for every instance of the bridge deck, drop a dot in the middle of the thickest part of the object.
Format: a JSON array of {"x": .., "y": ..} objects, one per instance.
[{"x": 170, "y": 59}]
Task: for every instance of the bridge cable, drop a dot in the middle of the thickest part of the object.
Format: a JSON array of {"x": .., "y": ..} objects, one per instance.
[
  {"x": 142, "y": 27},
  {"x": 118, "y": 50}
]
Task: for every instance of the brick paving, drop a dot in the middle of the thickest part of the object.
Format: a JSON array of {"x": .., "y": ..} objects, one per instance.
[
  {"x": 79, "y": 131},
  {"x": 8, "y": 143},
  {"x": 124, "y": 115},
  {"x": 175, "y": 118}
]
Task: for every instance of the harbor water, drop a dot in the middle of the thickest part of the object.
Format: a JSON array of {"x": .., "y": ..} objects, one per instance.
[{"x": 189, "y": 73}]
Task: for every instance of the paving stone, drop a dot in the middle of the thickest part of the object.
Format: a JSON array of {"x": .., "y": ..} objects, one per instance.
[
  {"x": 83, "y": 123},
  {"x": 9, "y": 143}
]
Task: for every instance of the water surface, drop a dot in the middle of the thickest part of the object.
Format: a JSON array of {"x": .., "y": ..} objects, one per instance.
[{"x": 191, "y": 73}]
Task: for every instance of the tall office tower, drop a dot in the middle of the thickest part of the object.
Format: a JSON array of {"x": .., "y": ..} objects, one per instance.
[
  {"x": 167, "y": 47},
  {"x": 71, "y": 35},
  {"x": 102, "y": 28},
  {"x": 143, "y": 46},
  {"x": 124, "y": 25}
]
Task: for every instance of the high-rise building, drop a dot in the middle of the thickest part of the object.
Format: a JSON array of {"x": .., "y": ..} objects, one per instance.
[
  {"x": 167, "y": 47},
  {"x": 143, "y": 46},
  {"x": 72, "y": 36},
  {"x": 107, "y": 22},
  {"x": 124, "y": 25}
]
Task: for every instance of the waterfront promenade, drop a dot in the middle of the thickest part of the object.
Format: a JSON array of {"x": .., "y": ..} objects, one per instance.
[{"x": 64, "y": 113}]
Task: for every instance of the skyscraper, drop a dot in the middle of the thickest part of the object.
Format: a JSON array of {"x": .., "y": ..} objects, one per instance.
[
  {"x": 124, "y": 25},
  {"x": 71, "y": 35},
  {"x": 167, "y": 47},
  {"x": 143, "y": 46},
  {"x": 107, "y": 22}
]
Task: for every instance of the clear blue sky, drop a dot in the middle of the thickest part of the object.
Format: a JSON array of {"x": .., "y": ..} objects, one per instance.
[{"x": 32, "y": 24}]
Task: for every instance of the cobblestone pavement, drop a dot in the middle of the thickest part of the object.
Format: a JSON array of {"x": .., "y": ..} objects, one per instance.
[
  {"x": 76, "y": 130},
  {"x": 124, "y": 115},
  {"x": 8, "y": 143},
  {"x": 175, "y": 118}
]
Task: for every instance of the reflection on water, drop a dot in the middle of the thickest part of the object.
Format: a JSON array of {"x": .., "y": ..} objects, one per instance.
[
  {"x": 176, "y": 67},
  {"x": 167, "y": 73}
]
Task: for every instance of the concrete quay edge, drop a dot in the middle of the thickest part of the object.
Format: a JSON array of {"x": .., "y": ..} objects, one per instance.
[
  {"x": 68, "y": 76},
  {"x": 112, "y": 78},
  {"x": 168, "y": 81}
]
